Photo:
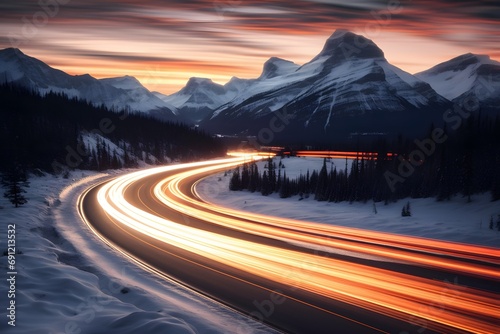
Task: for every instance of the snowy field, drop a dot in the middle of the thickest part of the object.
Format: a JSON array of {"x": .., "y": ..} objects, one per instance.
[
  {"x": 68, "y": 281},
  {"x": 455, "y": 220}
]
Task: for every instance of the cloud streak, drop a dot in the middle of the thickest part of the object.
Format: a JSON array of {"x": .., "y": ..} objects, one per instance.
[{"x": 236, "y": 35}]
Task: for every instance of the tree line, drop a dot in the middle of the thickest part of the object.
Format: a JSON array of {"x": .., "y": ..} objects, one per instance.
[
  {"x": 328, "y": 184},
  {"x": 48, "y": 133},
  {"x": 466, "y": 163}
]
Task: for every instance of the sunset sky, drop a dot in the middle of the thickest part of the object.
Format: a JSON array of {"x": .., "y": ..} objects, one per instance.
[{"x": 164, "y": 43}]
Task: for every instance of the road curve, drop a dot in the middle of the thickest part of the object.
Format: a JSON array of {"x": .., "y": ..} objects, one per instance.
[{"x": 297, "y": 276}]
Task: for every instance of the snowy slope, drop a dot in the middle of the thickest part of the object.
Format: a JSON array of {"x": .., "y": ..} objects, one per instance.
[
  {"x": 468, "y": 77},
  {"x": 90, "y": 141},
  {"x": 115, "y": 93},
  {"x": 201, "y": 96},
  {"x": 69, "y": 281},
  {"x": 126, "y": 83},
  {"x": 338, "y": 82},
  {"x": 459, "y": 75},
  {"x": 237, "y": 85},
  {"x": 198, "y": 92},
  {"x": 276, "y": 67},
  {"x": 137, "y": 97}
]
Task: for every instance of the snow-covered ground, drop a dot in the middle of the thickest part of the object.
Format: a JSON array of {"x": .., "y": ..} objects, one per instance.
[
  {"x": 455, "y": 220},
  {"x": 69, "y": 281}
]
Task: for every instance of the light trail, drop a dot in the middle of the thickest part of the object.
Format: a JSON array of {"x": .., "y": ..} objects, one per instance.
[
  {"x": 398, "y": 295},
  {"x": 322, "y": 235},
  {"x": 340, "y": 154}
]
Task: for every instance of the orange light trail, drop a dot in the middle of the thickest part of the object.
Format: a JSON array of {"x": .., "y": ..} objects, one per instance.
[
  {"x": 394, "y": 294},
  {"x": 340, "y": 154}
]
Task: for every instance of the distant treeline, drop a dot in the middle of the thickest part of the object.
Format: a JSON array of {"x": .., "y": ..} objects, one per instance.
[
  {"x": 46, "y": 132},
  {"x": 446, "y": 163}
]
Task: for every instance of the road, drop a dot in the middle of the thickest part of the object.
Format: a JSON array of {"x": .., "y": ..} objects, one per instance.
[{"x": 299, "y": 277}]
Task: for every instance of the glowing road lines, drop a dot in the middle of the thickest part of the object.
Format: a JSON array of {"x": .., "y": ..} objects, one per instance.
[{"x": 395, "y": 294}]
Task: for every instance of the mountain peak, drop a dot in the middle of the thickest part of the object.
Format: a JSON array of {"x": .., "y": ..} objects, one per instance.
[
  {"x": 277, "y": 60},
  {"x": 275, "y": 66},
  {"x": 472, "y": 58},
  {"x": 340, "y": 33},
  {"x": 195, "y": 83},
  {"x": 343, "y": 45},
  {"x": 199, "y": 81},
  {"x": 126, "y": 82},
  {"x": 12, "y": 54},
  {"x": 12, "y": 51},
  {"x": 460, "y": 63}
]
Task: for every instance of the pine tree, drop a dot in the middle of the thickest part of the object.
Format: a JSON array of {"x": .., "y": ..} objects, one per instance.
[
  {"x": 235, "y": 182},
  {"x": 245, "y": 177},
  {"x": 285, "y": 187},
  {"x": 115, "y": 161},
  {"x": 403, "y": 212},
  {"x": 253, "y": 184},
  {"x": 271, "y": 175},
  {"x": 265, "y": 186},
  {"x": 278, "y": 180},
  {"x": 467, "y": 168},
  {"x": 14, "y": 181},
  {"x": 406, "y": 211},
  {"x": 495, "y": 184},
  {"x": 322, "y": 184}
]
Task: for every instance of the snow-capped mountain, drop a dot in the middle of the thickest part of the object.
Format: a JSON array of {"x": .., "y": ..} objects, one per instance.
[
  {"x": 345, "y": 89},
  {"x": 116, "y": 93},
  {"x": 467, "y": 76},
  {"x": 198, "y": 98},
  {"x": 126, "y": 83},
  {"x": 201, "y": 96},
  {"x": 276, "y": 67}
]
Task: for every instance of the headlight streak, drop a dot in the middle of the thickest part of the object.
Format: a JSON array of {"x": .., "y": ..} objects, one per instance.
[
  {"x": 395, "y": 294},
  {"x": 320, "y": 235}
]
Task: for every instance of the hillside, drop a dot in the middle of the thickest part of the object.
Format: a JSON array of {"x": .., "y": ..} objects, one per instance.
[{"x": 54, "y": 133}]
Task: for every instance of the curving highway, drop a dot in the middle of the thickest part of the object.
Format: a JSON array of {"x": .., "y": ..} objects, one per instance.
[{"x": 297, "y": 276}]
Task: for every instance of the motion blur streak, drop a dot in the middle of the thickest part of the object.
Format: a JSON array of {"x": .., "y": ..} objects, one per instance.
[{"x": 398, "y": 295}]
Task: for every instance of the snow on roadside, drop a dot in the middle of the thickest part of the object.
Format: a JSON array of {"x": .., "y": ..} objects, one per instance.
[
  {"x": 455, "y": 220},
  {"x": 68, "y": 281}
]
